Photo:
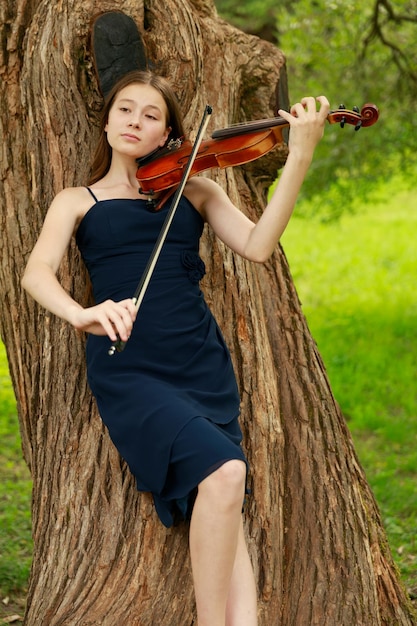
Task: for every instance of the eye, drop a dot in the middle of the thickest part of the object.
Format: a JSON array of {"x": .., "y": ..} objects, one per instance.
[
  {"x": 150, "y": 116},
  {"x": 124, "y": 109}
]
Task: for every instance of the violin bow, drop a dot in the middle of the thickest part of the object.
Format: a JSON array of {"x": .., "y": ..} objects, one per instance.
[{"x": 119, "y": 345}]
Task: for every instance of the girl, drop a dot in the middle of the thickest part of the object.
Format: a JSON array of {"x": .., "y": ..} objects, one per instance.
[{"x": 170, "y": 399}]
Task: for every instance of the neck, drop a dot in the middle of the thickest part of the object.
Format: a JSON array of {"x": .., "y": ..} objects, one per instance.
[{"x": 122, "y": 172}]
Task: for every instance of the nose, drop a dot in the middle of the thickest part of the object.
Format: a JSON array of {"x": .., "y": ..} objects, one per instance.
[{"x": 134, "y": 122}]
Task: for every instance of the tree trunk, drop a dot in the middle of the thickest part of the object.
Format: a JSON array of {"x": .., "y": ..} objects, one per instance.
[{"x": 100, "y": 554}]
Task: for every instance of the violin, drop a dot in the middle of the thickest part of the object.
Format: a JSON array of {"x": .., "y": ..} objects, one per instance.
[
  {"x": 234, "y": 145},
  {"x": 169, "y": 172}
]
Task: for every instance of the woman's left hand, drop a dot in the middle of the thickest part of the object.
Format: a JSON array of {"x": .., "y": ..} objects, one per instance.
[{"x": 306, "y": 124}]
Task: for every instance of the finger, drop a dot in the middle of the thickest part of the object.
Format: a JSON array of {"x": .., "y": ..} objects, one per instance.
[
  {"x": 309, "y": 104},
  {"x": 286, "y": 115},
  {"x": 122, "y": 322},
  {"x": 109, "y": 325},
  {"x": 298, "y": 109},
  {"x": 323, "y": 101},
  {"x": 130, "y": 306},
  {"x": 324, "y": 105},
  {"x": 115, "y": 320}
]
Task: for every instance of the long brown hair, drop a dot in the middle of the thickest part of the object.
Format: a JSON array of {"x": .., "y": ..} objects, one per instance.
[{"x": 103, "y": 154}]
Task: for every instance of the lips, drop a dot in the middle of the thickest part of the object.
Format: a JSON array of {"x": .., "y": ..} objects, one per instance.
[{"x": 130, "y": 137}]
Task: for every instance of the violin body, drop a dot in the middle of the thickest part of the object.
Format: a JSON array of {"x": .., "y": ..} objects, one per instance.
[
  {"x": 235, "y": 145},
  {"x": 165, "y": 172}
]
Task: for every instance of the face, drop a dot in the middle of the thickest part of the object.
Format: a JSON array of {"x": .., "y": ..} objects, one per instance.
[{"x": 137, "y": 122}]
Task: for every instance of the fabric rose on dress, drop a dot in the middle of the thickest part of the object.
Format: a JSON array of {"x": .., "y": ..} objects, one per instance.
[{"x": 194, "y": 265}]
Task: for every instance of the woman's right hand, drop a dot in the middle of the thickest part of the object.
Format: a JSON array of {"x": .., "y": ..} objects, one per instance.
[{"x": 114, "y": 319}]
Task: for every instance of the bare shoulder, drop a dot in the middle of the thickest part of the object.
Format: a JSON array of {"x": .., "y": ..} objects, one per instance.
[
  {"x": 72, "y": 203},
  {"x": 73, "y": 197}
]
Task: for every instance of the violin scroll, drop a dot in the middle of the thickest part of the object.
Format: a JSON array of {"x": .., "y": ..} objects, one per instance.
[{"x": 366, "y": 117}]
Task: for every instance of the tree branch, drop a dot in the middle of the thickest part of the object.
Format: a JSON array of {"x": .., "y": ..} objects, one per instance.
[{"x": 383, "y": 15}]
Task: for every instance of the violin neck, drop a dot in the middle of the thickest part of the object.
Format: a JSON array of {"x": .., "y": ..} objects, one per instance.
[
  {"x": 366, "y": 117},
  {"x": 249, "y": 127}
]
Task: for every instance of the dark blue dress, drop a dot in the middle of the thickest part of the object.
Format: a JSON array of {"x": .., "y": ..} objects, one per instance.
[{"x": 170, "y": 399}]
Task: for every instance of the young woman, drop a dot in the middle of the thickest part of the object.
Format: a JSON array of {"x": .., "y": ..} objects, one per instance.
[{"x": 169, "y": 399}]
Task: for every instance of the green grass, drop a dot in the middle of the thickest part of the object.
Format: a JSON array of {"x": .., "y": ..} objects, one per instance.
[
  {"x": 356, "y": 279},
  {"x": 15, "y": 495}
]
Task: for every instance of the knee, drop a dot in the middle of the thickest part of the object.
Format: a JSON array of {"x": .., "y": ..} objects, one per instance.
[
  {"x": 232, "y": 474},
  {"x": 228, "y": 481}
]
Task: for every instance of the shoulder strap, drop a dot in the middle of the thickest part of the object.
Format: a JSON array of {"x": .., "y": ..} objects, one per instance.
[{"x": 88, "y": 189}]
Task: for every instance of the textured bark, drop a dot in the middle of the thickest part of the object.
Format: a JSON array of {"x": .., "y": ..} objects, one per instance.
[{"x": 101, "y": 556}]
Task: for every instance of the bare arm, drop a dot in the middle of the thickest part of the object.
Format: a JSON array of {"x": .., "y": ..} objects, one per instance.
[
  {"x": 40, "y": 280},
  {"x": 256, "y": 242}
]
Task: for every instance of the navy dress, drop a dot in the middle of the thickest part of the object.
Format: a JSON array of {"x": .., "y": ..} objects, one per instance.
[{"x": 169, "y": 399}]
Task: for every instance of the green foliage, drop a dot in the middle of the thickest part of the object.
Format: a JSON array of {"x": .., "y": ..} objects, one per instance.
[
  {"x": 15, "y": 494},
  {"x": 342, "y": 58},
  {"x": 356, "y": 280},
  {"x": 353, "y": 53},
  {"x": 256, "y": 16}
]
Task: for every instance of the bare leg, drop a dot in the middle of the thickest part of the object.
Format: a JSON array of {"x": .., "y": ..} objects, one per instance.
[
  {"x": 242, "y": 600},
  {"x": 214, "y": 531}
]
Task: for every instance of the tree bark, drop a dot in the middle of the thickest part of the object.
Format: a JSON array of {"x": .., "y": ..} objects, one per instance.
[{"x": 100, "y": 554}]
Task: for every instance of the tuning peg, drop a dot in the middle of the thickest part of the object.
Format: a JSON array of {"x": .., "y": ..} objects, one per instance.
[
  {"x": 355, "y": 109},
  {"x": 343, "y": 119}
]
